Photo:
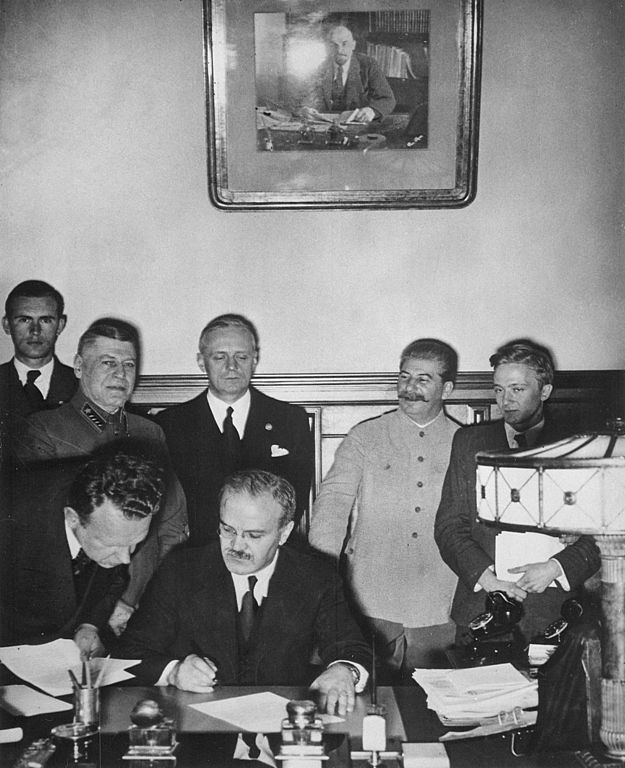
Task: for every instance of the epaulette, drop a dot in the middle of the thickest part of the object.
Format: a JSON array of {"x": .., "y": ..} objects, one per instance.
[{"x": 93, "y": 417}]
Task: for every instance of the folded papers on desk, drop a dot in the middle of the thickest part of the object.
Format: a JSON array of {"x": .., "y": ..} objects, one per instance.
[
  {"x": 45, "y": 666},
  {"x": 492, "y": 697},
  {"x": 254, "y": 712},
  {"x": 24, "y": 700}
]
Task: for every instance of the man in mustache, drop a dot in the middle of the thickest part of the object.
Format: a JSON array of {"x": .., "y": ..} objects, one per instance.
[
  {"x": 248, "y": 610},
  {"x": 384, "y": 488}
]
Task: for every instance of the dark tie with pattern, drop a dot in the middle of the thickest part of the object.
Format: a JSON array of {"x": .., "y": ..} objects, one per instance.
[
  {"x": 521, "y": 440},
  {"x": 232, "y": 444},
  {"x": 80, "y": 562},
  {"x": 81, "y": 570},
  {"x": 337, "y": 96},
  {"x": 32, "y": 391},
  {"x": 249, "y": 607}
]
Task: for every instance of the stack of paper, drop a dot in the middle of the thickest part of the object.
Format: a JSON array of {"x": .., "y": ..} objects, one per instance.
[
  {"x": 45, "y": 666},
  {"x": 470, "y": 696}
]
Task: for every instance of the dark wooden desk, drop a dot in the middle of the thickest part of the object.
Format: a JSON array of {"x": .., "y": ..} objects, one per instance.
[{"x": 201, "y": 736}]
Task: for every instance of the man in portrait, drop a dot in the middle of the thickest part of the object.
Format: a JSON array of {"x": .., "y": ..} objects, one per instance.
[{"x": 349, "y": 82}]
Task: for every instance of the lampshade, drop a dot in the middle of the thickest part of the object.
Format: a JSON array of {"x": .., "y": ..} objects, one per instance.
[{"x": 576, "y": 485}]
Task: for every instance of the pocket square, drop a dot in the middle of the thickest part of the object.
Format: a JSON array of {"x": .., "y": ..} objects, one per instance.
[{"x": 276, "y": 451}]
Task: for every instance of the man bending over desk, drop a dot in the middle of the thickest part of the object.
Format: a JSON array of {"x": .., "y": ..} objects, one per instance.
[
  {"x": 246, "y": 610},
  {"x": 64, "y": 553}
]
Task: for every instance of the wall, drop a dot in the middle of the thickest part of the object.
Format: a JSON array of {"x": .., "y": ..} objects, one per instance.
[{"x": 103, "y": 192}]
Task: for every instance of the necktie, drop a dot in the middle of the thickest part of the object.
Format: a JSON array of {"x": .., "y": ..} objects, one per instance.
[
  {"x": 81, "y": 570},
  {"x": 80, "y": 562},
  {"x": 32, "y": 392},
  {"x": 521, "y": 440},
  {"x": 249, "y": 606},
  {"x": 337, "y": 91},
  {"x": 232, "y": 443}
]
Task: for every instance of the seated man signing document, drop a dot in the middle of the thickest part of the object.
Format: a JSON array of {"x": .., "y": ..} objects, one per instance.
[{"x": 246, "y": 610}]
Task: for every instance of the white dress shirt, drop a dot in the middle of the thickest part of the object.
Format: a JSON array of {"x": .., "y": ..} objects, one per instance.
[
  {"x": 240, "y": 411},
  {"x": 42, "y": 382}
]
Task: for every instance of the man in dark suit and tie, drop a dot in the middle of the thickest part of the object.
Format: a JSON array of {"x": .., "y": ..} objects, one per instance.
[
  {"x": 523, "y": 381},
  {"x": 34, "y": 380},
  {"x": 349, "y": 82},
  {"x": 65, "y": 543},
  {"x": 232, "y": 426},
  {"x": 249, "y": 610}
]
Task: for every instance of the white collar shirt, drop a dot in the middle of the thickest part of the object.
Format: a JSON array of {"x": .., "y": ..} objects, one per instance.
[
  {"x": 42, "y": 382},
  {"x": 72, "y": 541},
  {"x": 241, "y": 584},
  {"x": 531, "y": 435},
  {"x": 240, "y": 411}
]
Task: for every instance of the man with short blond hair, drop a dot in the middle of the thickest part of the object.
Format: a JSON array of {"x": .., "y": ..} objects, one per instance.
[
  {"x": 523, "y": 382},
  {"x": 233, "y": 426}
]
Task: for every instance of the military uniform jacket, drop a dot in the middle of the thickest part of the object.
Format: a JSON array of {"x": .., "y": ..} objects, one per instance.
[{"x": 385, "y": 485}]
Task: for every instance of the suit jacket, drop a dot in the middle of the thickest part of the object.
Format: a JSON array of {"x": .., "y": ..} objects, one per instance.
[
  {"x": 365, "y": 86},
  {"x": 190, "y": 607},
  {"x": 195, "y": 447},
  {"x": 468, "y": 546},
  {"x": 63, "y": 384},
  {"x": 79, "y": 428},
  {"x": 38, "y": 598}
]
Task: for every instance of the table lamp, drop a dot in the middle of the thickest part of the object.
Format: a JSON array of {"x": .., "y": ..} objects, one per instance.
[{"x": 574, "y": 486}]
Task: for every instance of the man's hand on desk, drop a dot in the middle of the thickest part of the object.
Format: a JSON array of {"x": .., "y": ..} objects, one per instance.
[
  {"x": 537, "y": 576},
  {"x": 309, "y": 113},
  {"x": 194, "y": 673},
  {"x": 362, "y": 115},
  {"x": 336, "y": 689},
  {"x": 88, "y": 641}
]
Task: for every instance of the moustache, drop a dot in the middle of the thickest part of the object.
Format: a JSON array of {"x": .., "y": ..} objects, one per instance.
[
  {"x": 238, "y": 555},
  {"x": 412, "y": 396}
]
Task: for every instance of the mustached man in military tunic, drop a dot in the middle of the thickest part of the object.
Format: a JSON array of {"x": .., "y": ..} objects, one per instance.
[{"x": 106, "y": 366}]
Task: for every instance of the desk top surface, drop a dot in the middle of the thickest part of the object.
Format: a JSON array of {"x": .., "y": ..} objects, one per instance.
[{"x": 407, "y": 716}]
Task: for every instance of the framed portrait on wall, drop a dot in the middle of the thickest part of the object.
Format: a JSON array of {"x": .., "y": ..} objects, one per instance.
[{"x": 342, "y": 103}]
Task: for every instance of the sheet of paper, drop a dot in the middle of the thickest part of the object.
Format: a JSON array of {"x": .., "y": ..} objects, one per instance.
[
  {"x": 425, "y": 755},
  {"x": 22, "y": 700},
  {"x": 257, "y": 712},
  {"x": 493, "y": 677},
  {"x": 11, "y": 735},
  {"x": 45, "y": 666},
  {"x": 512, "y": 549},
  {"x": 469, "y": 695}
]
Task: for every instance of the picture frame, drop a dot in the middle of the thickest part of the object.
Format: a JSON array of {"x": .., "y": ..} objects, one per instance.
[{"x": 275, "y": 138}]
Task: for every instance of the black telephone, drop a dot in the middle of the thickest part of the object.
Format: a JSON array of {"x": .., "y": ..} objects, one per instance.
[
  {"x": 570, "y": 611},
  {"x": 494, "y": 634}
]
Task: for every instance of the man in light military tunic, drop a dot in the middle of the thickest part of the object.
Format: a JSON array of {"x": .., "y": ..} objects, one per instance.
[
  {"x": 105, "y": 365},
  {"x": 377, "y": 506}
]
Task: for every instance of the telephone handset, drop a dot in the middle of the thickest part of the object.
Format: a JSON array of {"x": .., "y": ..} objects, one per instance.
[
  {"x": 570, "y": 611},
  {"x": 501, "y": 615},
  {"x": 494, "y": 633}
]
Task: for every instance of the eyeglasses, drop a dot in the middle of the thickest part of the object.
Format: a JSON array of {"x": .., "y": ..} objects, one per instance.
[{"x": 227, "y": 532}]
